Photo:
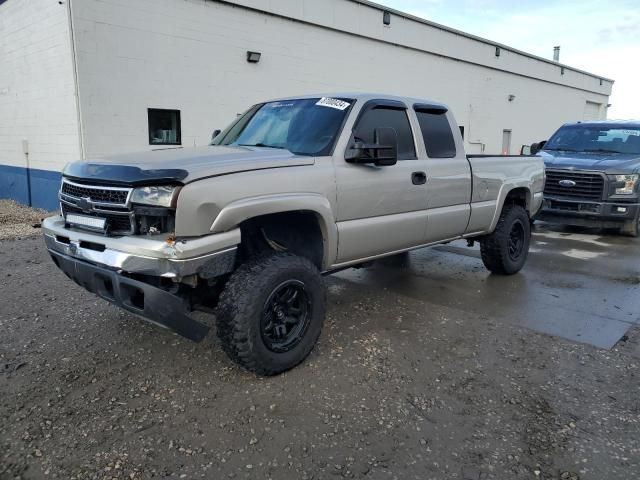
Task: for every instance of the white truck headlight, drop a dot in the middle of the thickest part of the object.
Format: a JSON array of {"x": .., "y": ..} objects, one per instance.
[
  {"x": 629, "y": 184},
  {"x": 156, "y": 196}
]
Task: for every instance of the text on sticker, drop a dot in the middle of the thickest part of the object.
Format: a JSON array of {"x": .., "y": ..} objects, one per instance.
[{"x": 333, "y": 103}]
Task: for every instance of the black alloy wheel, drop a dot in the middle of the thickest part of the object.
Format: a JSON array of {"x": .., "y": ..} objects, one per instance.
[
  {"x": 270, "y": 313},
  {"x": 516, "y": 240},
  {"x": 285, "y": 317}
]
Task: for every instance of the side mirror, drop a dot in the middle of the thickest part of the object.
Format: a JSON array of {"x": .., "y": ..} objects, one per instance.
[
  {"x": 536, "y": 147},
  {"x": 215, "y": 134},
  {"x": 382, "y": 153},
  {"x": 525, "y": 150}
]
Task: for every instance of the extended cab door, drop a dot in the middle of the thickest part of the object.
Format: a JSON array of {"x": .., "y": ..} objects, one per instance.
[
  {"x": 448, "y": 173},
  {"x": 381, "y": 209}
]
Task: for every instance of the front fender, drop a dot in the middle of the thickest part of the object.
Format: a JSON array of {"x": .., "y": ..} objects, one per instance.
[{"x": 239, "y": 211}]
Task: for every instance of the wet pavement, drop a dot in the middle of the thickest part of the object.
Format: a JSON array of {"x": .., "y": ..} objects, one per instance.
[
  {"x": 579, "y": 284},
  {"x": 428, "y": 368}
]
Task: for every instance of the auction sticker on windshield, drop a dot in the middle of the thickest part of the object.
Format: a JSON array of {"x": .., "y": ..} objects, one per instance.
[{"x": 333, "y": 103}]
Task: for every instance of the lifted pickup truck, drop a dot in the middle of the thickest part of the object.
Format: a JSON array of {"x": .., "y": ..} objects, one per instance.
[
  {"x": 293, "y": 189},
  {"x": 592, "y": 175}
]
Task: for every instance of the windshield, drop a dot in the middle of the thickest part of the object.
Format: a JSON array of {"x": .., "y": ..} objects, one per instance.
[
  {"x": 304, "y": 127},
  {"x": 594, "y": 138}
]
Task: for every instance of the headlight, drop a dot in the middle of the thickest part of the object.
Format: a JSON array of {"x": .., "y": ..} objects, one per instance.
[
  {"x": 625, "y": 184},
  {"x": 156, "y": 196}
]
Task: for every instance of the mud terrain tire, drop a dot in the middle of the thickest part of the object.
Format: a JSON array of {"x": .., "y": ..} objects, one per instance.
[
  {"x": 271, "y": 312},
  {"x": 505, "y": 251}
]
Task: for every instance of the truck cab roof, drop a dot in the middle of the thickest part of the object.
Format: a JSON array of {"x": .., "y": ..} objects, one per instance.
[
  {"x": 366, "y": 96},
  {"x": 607, "y": 123}
]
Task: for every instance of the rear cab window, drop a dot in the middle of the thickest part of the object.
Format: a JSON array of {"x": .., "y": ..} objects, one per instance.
[{"x": 436, "y": 132}]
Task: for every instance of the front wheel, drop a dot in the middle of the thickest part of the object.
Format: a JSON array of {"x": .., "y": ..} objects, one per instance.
[
  {"x": 505, "y": 251},
  {"x": 271, "y": 312}
]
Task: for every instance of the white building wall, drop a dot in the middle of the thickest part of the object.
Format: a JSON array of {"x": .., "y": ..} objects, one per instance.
[
  {"x": 362, "y": 17},
  {"x": 190, "y": 55},
  {"x": 37, "y": 98}
]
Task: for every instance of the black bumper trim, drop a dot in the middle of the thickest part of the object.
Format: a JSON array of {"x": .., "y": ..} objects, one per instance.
[
  {"x": 585, "y": 213},
  {"x": 149, "y": 302},
  {"x": 566, "y": 218}
]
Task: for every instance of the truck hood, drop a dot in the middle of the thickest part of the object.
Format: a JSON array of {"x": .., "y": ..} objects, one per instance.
[
  {"x": 181, "y": 165},
  {"x": 610, "y": 163}
]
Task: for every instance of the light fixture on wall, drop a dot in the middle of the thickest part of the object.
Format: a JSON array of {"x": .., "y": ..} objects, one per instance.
[
  {"x": 253, "y": 57},
  {"x": 511, "y": 97},
  {"x": 386, "y": 18}
]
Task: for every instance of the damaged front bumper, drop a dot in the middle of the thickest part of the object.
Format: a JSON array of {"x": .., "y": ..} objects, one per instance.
[
  {"x": 104, "y": 266},
  {"x": 151, "y": 303},
  {"x": 153, "y": 256}
]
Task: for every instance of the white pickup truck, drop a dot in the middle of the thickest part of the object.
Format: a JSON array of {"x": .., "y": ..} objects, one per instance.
[{"x": 291, "y": 190}]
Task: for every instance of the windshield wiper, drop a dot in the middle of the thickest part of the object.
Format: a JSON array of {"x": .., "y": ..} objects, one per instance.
[
  {"x": 601, "y": 150},
  {"x": 261, "y": 145}
]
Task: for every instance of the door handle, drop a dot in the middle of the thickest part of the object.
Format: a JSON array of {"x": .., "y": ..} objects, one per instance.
[{"x": 419, "y": 178}]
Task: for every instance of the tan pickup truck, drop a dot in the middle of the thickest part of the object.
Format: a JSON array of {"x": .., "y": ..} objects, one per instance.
[{"x": 291, "y": 190}]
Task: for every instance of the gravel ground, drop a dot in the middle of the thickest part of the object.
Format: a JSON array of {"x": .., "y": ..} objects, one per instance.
[
  {"x": 18, "y": 221},
  {"x": 397, "y": 389}
]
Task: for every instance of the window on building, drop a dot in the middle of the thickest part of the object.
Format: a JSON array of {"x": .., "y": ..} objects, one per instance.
[
  {"x": 382, "y": 117},
  {"x": 164, "y": 127},
  {"x": 437, "y": 134}
]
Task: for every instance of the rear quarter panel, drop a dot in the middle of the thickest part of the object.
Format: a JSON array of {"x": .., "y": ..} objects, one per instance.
[{"x": 493, "y": 178}]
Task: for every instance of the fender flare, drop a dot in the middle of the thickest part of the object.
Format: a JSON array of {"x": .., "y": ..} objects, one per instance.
[
  {"x": 239, "y": 211},
  {"x": 502, "y": 196}
]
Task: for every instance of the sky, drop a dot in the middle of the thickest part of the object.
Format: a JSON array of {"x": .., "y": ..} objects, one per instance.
[{"x": 601, "y": 37}]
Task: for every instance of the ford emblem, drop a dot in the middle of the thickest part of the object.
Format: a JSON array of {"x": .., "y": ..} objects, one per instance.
[{"x": 567, "y": 183}]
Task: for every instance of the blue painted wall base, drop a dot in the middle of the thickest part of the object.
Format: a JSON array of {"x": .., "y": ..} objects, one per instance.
[{"x": 14, "y": 185}]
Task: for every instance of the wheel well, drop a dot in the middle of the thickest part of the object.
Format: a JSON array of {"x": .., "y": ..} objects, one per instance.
[
  {"x": 518, "y": 196},
  {"x": 297, "y": 232}
]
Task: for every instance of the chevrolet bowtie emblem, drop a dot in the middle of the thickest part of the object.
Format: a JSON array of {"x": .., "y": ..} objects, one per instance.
[{"x": 85, "y": 204}]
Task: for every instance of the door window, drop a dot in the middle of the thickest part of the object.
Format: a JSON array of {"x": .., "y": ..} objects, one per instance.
[
  {"x": 438, "y": 138},
  {"x": 381, "y": 117}
]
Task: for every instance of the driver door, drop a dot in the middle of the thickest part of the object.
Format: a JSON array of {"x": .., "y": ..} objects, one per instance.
[{"x": 381, "y": 209}]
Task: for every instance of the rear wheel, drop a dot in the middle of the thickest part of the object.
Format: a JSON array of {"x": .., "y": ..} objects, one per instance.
[
  {"x": 505, "y": 251},
  {"x": 271, "y": 313}
]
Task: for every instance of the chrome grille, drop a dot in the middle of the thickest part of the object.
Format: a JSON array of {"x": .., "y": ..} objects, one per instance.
[
  {"x": 97, "y": 194},
  {"x": 110, "y": 203},
  {"x": 588, "y": 186}
]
